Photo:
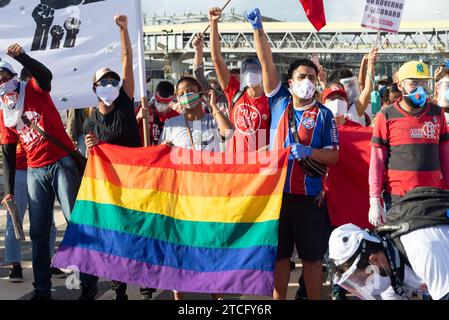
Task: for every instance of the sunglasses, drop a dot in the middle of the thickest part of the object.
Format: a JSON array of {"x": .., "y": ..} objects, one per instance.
[{"x": 106, "y": 82}]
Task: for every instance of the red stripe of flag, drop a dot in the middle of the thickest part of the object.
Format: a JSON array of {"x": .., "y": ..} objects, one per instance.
[{"x": 314, "y": 10}]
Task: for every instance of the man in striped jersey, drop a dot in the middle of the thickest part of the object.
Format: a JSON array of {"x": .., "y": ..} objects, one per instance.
[
  {"x": 297, "y": 120},
  {"x": 409, "y": 144}
]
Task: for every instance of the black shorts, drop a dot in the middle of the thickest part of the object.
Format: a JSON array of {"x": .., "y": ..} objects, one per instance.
[{"x": 304, "y": 224}]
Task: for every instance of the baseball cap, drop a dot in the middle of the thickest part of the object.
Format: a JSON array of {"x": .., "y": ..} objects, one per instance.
[
  {"x": 329, "y": 91},
  {"x": 414, "y": 70},
  {"x": 102, "y": 72},
  {"x": 345, "y": 241},
  {"x": 5, "y": 66}
]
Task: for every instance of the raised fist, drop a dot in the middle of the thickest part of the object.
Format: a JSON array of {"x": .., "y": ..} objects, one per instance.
[
  {"x": 44, "y": 16},
  {"x": 4, "y": 3},
  {"x": 61, "y": 4},
  {"x": 214, "y": 14},
  {"x": 72, "y": 26},
  {"x": 57, "y": 33},
  {"x": 198, "y": 41},
  {"x": 121, "y": 21},
  {"x": 14, "y": 50}
]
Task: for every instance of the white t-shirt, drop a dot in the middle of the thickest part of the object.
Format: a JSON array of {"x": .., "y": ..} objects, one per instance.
[
  {"x": 352, "y": 115},
  {"x": 205, "y": 133},
  {"x": 428, "y": 253}
]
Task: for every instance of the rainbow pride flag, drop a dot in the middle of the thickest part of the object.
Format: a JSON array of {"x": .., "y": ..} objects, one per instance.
[{"x": 144, "y": 219}]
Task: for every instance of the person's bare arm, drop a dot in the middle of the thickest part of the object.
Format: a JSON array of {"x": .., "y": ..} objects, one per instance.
[
  {"x": 222, "y": 70},
  {"x": 325, "y": 156},
  {"x": 263, "y": 49},
  {"x": 198, "y": 67},
  {"x": 362, "y": 72},
  {"x": 365, "y": 95},
  {"x": 127, "y": 56}
]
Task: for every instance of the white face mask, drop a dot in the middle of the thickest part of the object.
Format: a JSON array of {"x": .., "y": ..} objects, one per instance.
[
  {"x": 304, "y": 89},
  {"x": 378, "y": 284},
  {"x": 108, "y": 94},
  {"x": 8, "y": 86},
  {"x": 252, "y": 79},
  {"x": 338, "y": 107}
]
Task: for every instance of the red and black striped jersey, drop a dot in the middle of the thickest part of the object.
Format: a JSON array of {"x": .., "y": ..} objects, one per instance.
[{"x": 412, "y": 143}]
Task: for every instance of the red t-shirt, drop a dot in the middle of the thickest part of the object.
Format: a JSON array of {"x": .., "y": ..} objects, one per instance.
[
  {"x": 21, "y": 155},
  {"x": 412, "y": 144},
  {"x": 349, "y": 123},
  {"x": 39, "y": 109},
  {"x": 156, "y": 123},
  {"x": 251, "y": 118}
]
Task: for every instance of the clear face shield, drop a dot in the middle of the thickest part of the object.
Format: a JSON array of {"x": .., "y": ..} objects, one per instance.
[
  {"x": 352, "y": 88},
  {"x": 411, "y": 85},
  {"x": 443, "y": 92},
  {"x": 250, "y": 74},
  {"x": 365, "y": 284}
]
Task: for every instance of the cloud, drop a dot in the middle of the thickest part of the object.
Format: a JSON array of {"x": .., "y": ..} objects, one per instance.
[{"x": 291, "y": 10}]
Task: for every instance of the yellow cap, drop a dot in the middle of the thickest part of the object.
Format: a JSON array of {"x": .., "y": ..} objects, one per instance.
[{"x": 414, "y": 70}]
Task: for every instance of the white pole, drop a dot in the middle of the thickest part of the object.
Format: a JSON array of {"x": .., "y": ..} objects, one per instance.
[{"x": 142, "y": 71}]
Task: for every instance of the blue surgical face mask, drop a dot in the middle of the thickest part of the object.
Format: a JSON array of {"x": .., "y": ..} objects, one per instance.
[{"x": 417, "y": 97}]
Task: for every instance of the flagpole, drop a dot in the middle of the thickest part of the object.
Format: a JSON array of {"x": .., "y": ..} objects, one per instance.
[{"x": 142, "y": 70}]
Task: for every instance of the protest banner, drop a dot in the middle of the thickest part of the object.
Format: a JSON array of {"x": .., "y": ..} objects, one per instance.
[{"x": 73, "y": 38}]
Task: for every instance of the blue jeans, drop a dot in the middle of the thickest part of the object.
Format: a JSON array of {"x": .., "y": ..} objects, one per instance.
[
  {"x": 59, "y": 180},
  {"x": 13, "y": 252}
]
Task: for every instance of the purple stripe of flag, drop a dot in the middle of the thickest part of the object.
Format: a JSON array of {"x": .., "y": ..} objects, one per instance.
[{"x": 251, "y": 282}]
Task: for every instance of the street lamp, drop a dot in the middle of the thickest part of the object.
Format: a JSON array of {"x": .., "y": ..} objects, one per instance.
[{"x": 167, "y": 66}]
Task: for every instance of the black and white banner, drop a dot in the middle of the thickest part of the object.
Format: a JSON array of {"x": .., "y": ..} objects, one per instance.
[{"x": 73, "y": 38}]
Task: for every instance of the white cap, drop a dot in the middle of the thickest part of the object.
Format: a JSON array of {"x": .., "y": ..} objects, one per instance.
[
  {"x": 345, "y": 241},
  {"x": 7, "y": 66}
]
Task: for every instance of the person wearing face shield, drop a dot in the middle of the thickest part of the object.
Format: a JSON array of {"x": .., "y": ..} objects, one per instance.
[
  {"x": 370, "y": 265},
  {"x": 410, "y": 146},
  {"x": 248, "y": 106},
  {"x": 309, "y": 129},
  {"x": 51, "y": 171},
  {"x": 159, "y": 110},
  {"x": 358, "y": 100},
  {"x": 207, "y": 83},
  {"x": 442, "y": 91}
]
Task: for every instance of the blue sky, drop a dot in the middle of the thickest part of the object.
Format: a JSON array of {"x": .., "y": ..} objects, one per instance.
[{"x": 291, "y": 10}]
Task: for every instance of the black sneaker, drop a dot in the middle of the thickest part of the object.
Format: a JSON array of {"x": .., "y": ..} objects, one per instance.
[
  {"x": 147, "y": 293},
  {"x": 15, "y": 274},
  {"x": 88, "y": 292},
  {"x": 39, "y": 295},
  {"x": 57, "y": 273},
  {"x": 121, "y": 297}
]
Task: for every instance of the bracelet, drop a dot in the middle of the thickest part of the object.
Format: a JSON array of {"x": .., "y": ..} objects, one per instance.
[{"x": 219, "y": 111}]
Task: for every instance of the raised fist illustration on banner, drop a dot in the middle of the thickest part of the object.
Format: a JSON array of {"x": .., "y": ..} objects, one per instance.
[
  {"x": 61, "y": 4},
  {"x": 4, "y": 3},
  {"x": 44, "y": 16},
  {"x": 57, "y": 33},
  {"x": 72, "y": 26}
]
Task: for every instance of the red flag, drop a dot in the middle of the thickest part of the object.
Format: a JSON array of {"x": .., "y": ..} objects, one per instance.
[
  {"x": 347, "y": 189},
  {"x": 314, "y": 10}
]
